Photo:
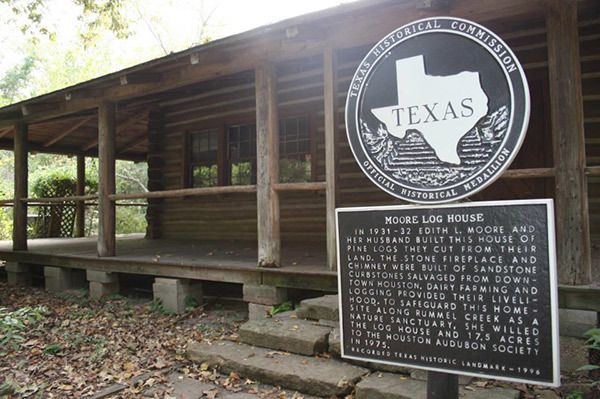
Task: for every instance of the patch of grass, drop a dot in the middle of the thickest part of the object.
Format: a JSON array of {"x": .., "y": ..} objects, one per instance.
[
  {"x": 593, "y": 344},
  {"x": 84, "y": 313},
  {"x": 100, "y": 349},
  {"x": 283, "y": 307},
  {"x": 574, "y": 395},
  {"x": 157, "y": 306},
  {"x": 52, "y": 349},
  {"x": 13, "y": 323},
  {"x": 191, "y": 303}
]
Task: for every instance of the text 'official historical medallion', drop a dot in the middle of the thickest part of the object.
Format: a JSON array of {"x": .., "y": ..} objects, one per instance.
[{"x": 437, "y": 110}]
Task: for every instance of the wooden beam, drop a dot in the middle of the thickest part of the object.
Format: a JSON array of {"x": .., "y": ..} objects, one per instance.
[
  {"x": 70, "y": 130},
  {"x": 331, "y": 156},
  {"x": 5, "y": 131},
  {"x": 133, "y": 143},
  {"x": 80, "y": 190},
  {"x": 59, "y": 200},
  {"x": 106, "y": 179},
  {"x": 84, "y": 94},
  {"x": 438, "y": 5},
  {"x": 8, "y": 144},
  {"x": 186, "y": 192},
  {"x": 31, "y": 109},
  {"x": 121, "y": 126},
  {"x": 139, "y": 78},
  {"x": 21, "y": 182},
  {"x": 307, "y": 186},
  {"x": 267, "y": 156},
  {"x": 533, "y": 173},
  {"x": 566, "y": 104}
]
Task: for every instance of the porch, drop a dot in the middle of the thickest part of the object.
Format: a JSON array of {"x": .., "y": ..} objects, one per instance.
[{"x": 303, "y": 266}]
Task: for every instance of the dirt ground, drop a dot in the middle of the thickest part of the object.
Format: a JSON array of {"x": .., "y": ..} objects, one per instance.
[
  {"x": 67, "y": 346},
  {"x": 71, "y": 347}
]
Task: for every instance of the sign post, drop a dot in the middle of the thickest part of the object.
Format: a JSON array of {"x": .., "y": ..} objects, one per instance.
[
  {"x": 442, "y": 385},
  {"x": 435, "y": 112}
]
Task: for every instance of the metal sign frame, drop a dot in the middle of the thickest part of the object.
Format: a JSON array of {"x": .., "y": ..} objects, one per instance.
[{"x": 552, "y": 275}]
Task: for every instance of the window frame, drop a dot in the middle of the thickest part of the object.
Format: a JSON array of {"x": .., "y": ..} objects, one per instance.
[
  {"x": 187, "y": 176},
  {"x": 223, "y": 159}
]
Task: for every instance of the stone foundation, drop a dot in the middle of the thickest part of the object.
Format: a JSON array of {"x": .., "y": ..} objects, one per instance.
[
  {"x": 102, "y": 283},
  {"x": 18, "y": 274},
  {"x": 60, "y": 278},
  {"x": 173, "y": 293},
  {"x": 264, "y": 294}
]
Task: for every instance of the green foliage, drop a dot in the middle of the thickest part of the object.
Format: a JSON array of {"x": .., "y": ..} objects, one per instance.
[
  {"x": 16, "y": 81},
  {"x": 52, "y": 349},
  {"x": 592, "y": 343},
  {"x": 97, "y": 15},
  {"x": 574, "y": 395},
  {"x": 55, "y": 182},
  {"x": 294, "y": 171},
  {"x": 284, "y": 307},
  {"x": 191, "y": 303},
  {"x": 12, "y": 323},
  {"x": 100, "y": 15},
  {"x": 157, "y": 306}
]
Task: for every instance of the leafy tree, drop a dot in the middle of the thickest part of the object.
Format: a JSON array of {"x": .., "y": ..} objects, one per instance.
[
  {"x": 96, "y": 15},
  {"x": 15, "y": 82}
]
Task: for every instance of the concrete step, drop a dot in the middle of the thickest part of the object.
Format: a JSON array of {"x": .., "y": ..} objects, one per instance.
[
  {"x": 310, "y": 375},
  {"x": 321, "y": 308},
  {"x": 394, "y": 386},
  {"x": 291, "y": 335}
]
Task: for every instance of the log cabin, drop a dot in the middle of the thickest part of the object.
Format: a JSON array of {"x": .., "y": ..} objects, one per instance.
[{"x": 247, "y": 154}]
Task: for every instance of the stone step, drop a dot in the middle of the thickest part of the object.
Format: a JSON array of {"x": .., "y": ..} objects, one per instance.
[
  {"x": 394, "y": 386},
  {"x": 321, "y": 308},
  {"x": 310, "y": 375},
  {"x": 291, "y": 335}
]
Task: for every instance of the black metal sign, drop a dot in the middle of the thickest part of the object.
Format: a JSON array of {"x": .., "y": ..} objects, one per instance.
[
  {"x": 437, "y": 110},
  {"x": 468, "y": 289}
]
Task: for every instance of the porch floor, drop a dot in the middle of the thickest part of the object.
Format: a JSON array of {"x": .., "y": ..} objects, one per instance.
[{"x": 233, "y": 261}]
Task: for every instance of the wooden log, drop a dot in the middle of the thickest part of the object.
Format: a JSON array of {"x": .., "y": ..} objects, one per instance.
[
  {"x": 70, "y": 130},
  {"x": 566, "y": 104},
  {"x": 20, "y": 187},
  {"x": 331, "y": 153},
  {"x": 155, "y": 161},
  {"x": 185, "y": 192},
  {"x": 122, "y": 127},
  {"x": 49, "y": 200},
  {"x": 308, "y": 186},
  {"x": 592, "y": 171},
  {"x": 80, "y": 191},
  {"x": 267, "y": 155},
  {"x": 533, "y": 173},
  {"x": 106, "y": 179},
  {"x": 5, "y": 131}
]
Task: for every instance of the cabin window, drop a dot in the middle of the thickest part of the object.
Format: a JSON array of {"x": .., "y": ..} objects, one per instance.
[
  {"x": 242, "y": 154},
  {"x": 203, "y": 150},
  {"x": 294, "y": 150}
]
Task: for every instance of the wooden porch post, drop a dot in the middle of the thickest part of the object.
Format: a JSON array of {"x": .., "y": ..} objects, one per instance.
[
  {"x": 330, "y": 108},
  {"x": 80, "y": 207},
  {"x": 267, "y": 158},
  {"x": 106, "y": 179},
  {"x": 566, "y": 101},
  {"x": 21, "y": 181}
]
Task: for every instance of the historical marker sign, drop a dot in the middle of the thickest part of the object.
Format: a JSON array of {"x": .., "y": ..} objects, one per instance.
[
  {"x": 468, "y": 289},
  {"x": 437, "y": 110}
]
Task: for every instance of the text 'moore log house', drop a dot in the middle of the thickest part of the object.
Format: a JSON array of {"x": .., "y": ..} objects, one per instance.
[{"x": 248, "y": 158}]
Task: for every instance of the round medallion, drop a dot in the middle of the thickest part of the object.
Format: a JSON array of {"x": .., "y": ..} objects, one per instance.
[{"x": 437, "y": 110}]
